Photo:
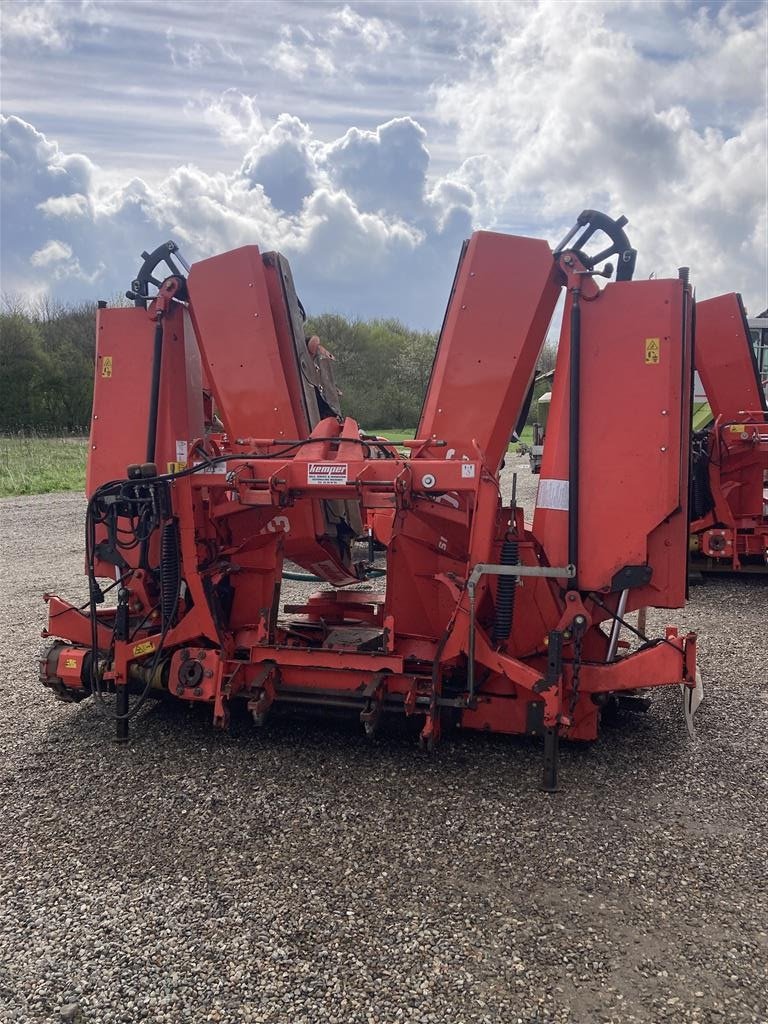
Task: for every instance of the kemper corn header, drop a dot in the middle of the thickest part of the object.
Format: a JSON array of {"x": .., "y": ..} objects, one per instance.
[{"x": 218, "y": 452}]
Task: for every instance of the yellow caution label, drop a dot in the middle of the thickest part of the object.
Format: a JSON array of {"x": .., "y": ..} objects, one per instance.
[
  {"x": 146, "y": 647},
  {"x": 70, "y": 663},
  {"x": 106, "y": 366},
  {"x": 176, "y": 467},
  {"x": 652, "y": 350},
  {"x": 737, "y": 428}
]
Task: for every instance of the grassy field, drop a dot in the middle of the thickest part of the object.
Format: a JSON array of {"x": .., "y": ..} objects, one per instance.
[
  {"x": 31, "y": 464},
  {"x": 398, "y": 434}
]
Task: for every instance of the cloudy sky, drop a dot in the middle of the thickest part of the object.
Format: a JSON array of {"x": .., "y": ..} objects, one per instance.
[{"x": 365, "y": 141}]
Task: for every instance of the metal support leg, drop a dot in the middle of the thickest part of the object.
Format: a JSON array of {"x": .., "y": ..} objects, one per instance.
[
  {"x": 642, "y": 616},
  {"x": 551, "y": 758},
  {"x": 613, "y": 643},
  {"x": 552, "y": 680},
  {"x": 121, "y": 723}
]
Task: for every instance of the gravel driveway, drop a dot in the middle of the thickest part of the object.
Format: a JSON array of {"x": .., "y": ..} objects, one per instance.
[{"x": 298, "y": 874}]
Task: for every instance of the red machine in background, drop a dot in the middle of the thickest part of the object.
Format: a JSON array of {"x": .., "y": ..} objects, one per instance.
[
  {"x": 729, "y": 514},
  {"x": 484, "y": 623}
]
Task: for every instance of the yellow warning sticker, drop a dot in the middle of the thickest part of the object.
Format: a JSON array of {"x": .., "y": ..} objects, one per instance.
[
  {"x": 70, "y": 663},
  {"x": 106, "y": 366},
  {"x": 147, "y": 647},
  {"x": 176, "y": 467},
  {"x": 652, "y": 350}
]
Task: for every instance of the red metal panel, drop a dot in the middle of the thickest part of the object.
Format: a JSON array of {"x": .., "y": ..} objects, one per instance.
[
  {"x": 251, "y": 365},
  {"x": 725, "y": 359},
  {"x": 240, "y": 348},
  {"x": 124, "y": 343},
  {"x": 634, "y": 421},
  {"x": 505, "y": 294}
]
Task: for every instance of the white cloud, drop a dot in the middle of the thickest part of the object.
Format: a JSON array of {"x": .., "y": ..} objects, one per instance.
[
  {"x": 52, "y": 252},
  {"x": 358, "y": 241},
  {"x": 191, "y": 54},
  {"x": 43, "y": 24},
  {"x": 568, "y": 110},
  {"x": 535, "y": 111},
  {"x": 345, "y": 40},
  {"x": 233, "y": 115},
  {"x": 300, "y": 52},
  {"x": 60, "y": 263},
  {"x": 374, "y": 33},
  {"x": 65, "y": 206},
  {"x": 283, "y": 162},
  {"x": 383, "y": 169},
  {"x": 50, "y": 24}
]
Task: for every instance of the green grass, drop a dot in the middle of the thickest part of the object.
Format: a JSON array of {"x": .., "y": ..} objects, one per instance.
[
  {"x": 398, "y": 434},
  {"x": 526, "y": 437},
  {"x": 395, "y": 434},
  {"x": 31, "y": 464}
]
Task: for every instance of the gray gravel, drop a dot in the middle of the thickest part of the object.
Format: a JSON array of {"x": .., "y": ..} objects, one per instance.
[{"x": 299, "y": 874}]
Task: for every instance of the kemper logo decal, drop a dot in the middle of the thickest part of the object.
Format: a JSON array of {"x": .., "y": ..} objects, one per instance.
[{"x": 327, "y": 474}]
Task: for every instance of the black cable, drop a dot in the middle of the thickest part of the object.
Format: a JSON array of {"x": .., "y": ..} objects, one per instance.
[{"x": 83, "y": 606}]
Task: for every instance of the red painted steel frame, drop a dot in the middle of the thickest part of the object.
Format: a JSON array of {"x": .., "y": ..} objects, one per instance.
[
  {"x": 734, "y": 533},
  {"x": 503, "y": 300},
  {"x": 634, "y": 439},
  {"x": 725, "y": 358},
  {"x": 431, "y": 644}
]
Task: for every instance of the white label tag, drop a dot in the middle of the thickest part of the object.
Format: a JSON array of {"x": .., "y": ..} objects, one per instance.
[
  {"x": 468, "y": 470},
  {"x": 327, "y": 474},
  {"x": 182, "y": 450},
  {"x": 553, "y": 494}
]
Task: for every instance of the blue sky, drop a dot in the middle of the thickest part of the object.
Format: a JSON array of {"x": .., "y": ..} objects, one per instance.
[{"x": 365, "y": 141}]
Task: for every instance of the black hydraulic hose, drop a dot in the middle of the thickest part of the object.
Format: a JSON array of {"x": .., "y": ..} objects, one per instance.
[
  {"x": 505, "y": 592},
  {"x": 154, "y": 395},
  {"x": 573, "y": 439}
]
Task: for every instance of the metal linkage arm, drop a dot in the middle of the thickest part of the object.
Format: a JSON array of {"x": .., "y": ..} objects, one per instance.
[{"x": 494, "y": 569}]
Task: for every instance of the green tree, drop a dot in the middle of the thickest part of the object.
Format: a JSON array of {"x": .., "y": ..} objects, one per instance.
[
  {"x": 382, "y": 367},
  {"x": 22, "y": 372}
]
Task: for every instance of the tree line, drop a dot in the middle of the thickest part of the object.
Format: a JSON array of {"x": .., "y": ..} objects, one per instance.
[{"x": 47, "y": 353}]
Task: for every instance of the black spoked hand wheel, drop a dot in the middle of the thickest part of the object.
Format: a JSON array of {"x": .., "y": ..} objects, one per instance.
[
  {"x": 592, "y": 221},
  {"x": 139, "y": 293}
]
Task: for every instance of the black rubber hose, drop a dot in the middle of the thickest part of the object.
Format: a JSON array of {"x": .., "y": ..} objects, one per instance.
[
  {"x": 702, "y": 501},
  {"x": 505, "y": 592}
]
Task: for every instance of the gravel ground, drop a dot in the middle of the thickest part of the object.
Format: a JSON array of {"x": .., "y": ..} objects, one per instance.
[{"x": 299, "y": 874}]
